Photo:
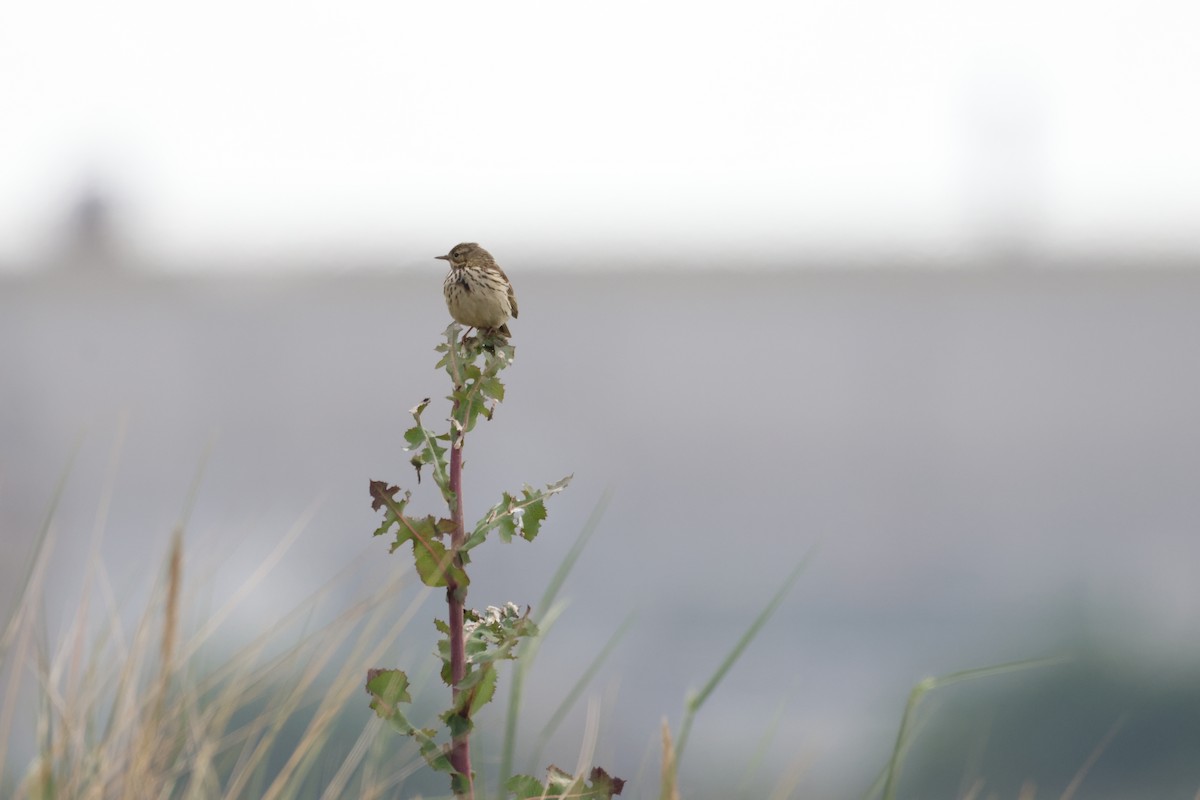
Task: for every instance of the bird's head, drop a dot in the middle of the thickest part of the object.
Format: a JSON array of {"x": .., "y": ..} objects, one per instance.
[{"x": 460, "y": 254}]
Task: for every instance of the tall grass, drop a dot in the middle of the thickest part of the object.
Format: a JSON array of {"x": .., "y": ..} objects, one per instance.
[{"x": 153, "y": 710}]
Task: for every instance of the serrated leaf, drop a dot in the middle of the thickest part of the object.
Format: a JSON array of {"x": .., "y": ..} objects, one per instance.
[
  {"x": 513, "y": 515},
  {"x": 435, "y": 564},
  {"x": 389, "y": 519},
  {"x": 456, "y": 724},
  {"x": 484, "y": 690},
  {"x": 532, "y": 519},
  {"x": 558, "y": 780},
  {"x": 475, "y": 646},
  {"x": 496, "y": 635},
  {"x": 506, "y": 524},
  {"x": 427, "y": 450},
  {"x": 429, "y": 528},
  {"x": 475, "y": 676},
  {"x": 436, "y": 757},
  {"x": 414, "y": 437},
  {"x": 388, "y": 689},
  {"x": 459, "y": 785},
  {"x": 600, "y": 786},
  {"x": 390, "y": 685},
  {"x": 443, "y": 652},
  {"x": 524, "y": 787},
  {"x": 558, "y": 485},
  {"x": 384, "y": 495},
  {"x": 604, "y": 785},
  {"x": 492, "y": 388},
  {"x": 404, "y": 531}
]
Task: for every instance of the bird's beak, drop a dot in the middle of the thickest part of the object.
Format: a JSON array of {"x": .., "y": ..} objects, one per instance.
[{"x": 443, "y": 258}]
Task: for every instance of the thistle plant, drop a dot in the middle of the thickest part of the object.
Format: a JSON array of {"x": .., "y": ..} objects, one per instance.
[{"x": 471, "y": 642}]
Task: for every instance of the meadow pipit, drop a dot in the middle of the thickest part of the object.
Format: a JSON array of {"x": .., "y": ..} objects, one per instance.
[{"x": 478, "y": 292}]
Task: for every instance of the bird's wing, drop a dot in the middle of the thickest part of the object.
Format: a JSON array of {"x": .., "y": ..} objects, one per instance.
[{"x": 512, "y": 296}]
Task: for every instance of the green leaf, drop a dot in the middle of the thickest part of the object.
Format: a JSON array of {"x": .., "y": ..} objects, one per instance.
[
  {"x": 492, "y": 388},
  {"x": 414, "y": 437},
  {"x": 436, "y": 755},
  {"x": 494, "y": 635},
  {"x": 525, "y": 787},
  {"x": 389, "y": 685},
  {"x": 599, "y": 786},
  {"x": 477, "y": 388},
  {"x": 443, "y": 652},
  {"x": 457, "y": 724},
  {"x": 558, "y": 780},
  {"x": 531, "y": 522},
  {"x": 429, "y": 528},
  {"x": 506, "y": 524},
  {"x": 484, "y": 690},
  {"x": 459, "y": 785},
  {"x": 435, "y": 564},
  {"x": 475, "y": 690},
  {"x": 388, "y": 688},
  {"x": 452, "y": 351},
  {"x": 472, "y": 679},
  {"x": 516, "y": 516},
  {"x": 426, "y": 529},
  {"x": 489, "y": 637},
  {"x": 427, "y": 449},
  {"x": 475, "y": 647}
]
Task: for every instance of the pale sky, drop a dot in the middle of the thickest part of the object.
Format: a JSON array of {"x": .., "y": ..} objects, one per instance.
[{"x": 277, "y": 128}]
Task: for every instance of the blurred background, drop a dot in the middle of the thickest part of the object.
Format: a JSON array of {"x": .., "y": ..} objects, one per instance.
[{"x": 911, "y": 283}]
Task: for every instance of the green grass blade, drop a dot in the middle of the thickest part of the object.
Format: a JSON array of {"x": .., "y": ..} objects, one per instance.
[
  {"x": 903, "y": 736},
  {"x": 573, "y": 695},
  {"x": 695, "y": 702},
  {"x": 529, "y": 648},
  {"x": 568, "y": 563}
]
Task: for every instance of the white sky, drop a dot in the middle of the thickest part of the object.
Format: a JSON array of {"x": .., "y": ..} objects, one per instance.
[{"x": 270, "y": 127}]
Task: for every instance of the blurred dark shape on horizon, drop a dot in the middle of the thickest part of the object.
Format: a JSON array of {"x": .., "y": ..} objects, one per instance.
[{"x": 90, "y": 241}]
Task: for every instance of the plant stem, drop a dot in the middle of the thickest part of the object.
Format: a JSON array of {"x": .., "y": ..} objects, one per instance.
[{"x": 460, "y": 748}]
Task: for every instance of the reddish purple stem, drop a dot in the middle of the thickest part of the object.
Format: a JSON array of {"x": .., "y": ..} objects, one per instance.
[{"x": 460, "y": 748}]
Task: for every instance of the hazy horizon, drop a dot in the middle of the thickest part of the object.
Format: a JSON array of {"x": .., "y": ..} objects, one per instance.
[{"x": 927, "y": 127}]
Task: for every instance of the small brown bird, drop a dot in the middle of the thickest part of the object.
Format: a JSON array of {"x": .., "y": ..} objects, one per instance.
[{"x": 478, "y": 293}]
